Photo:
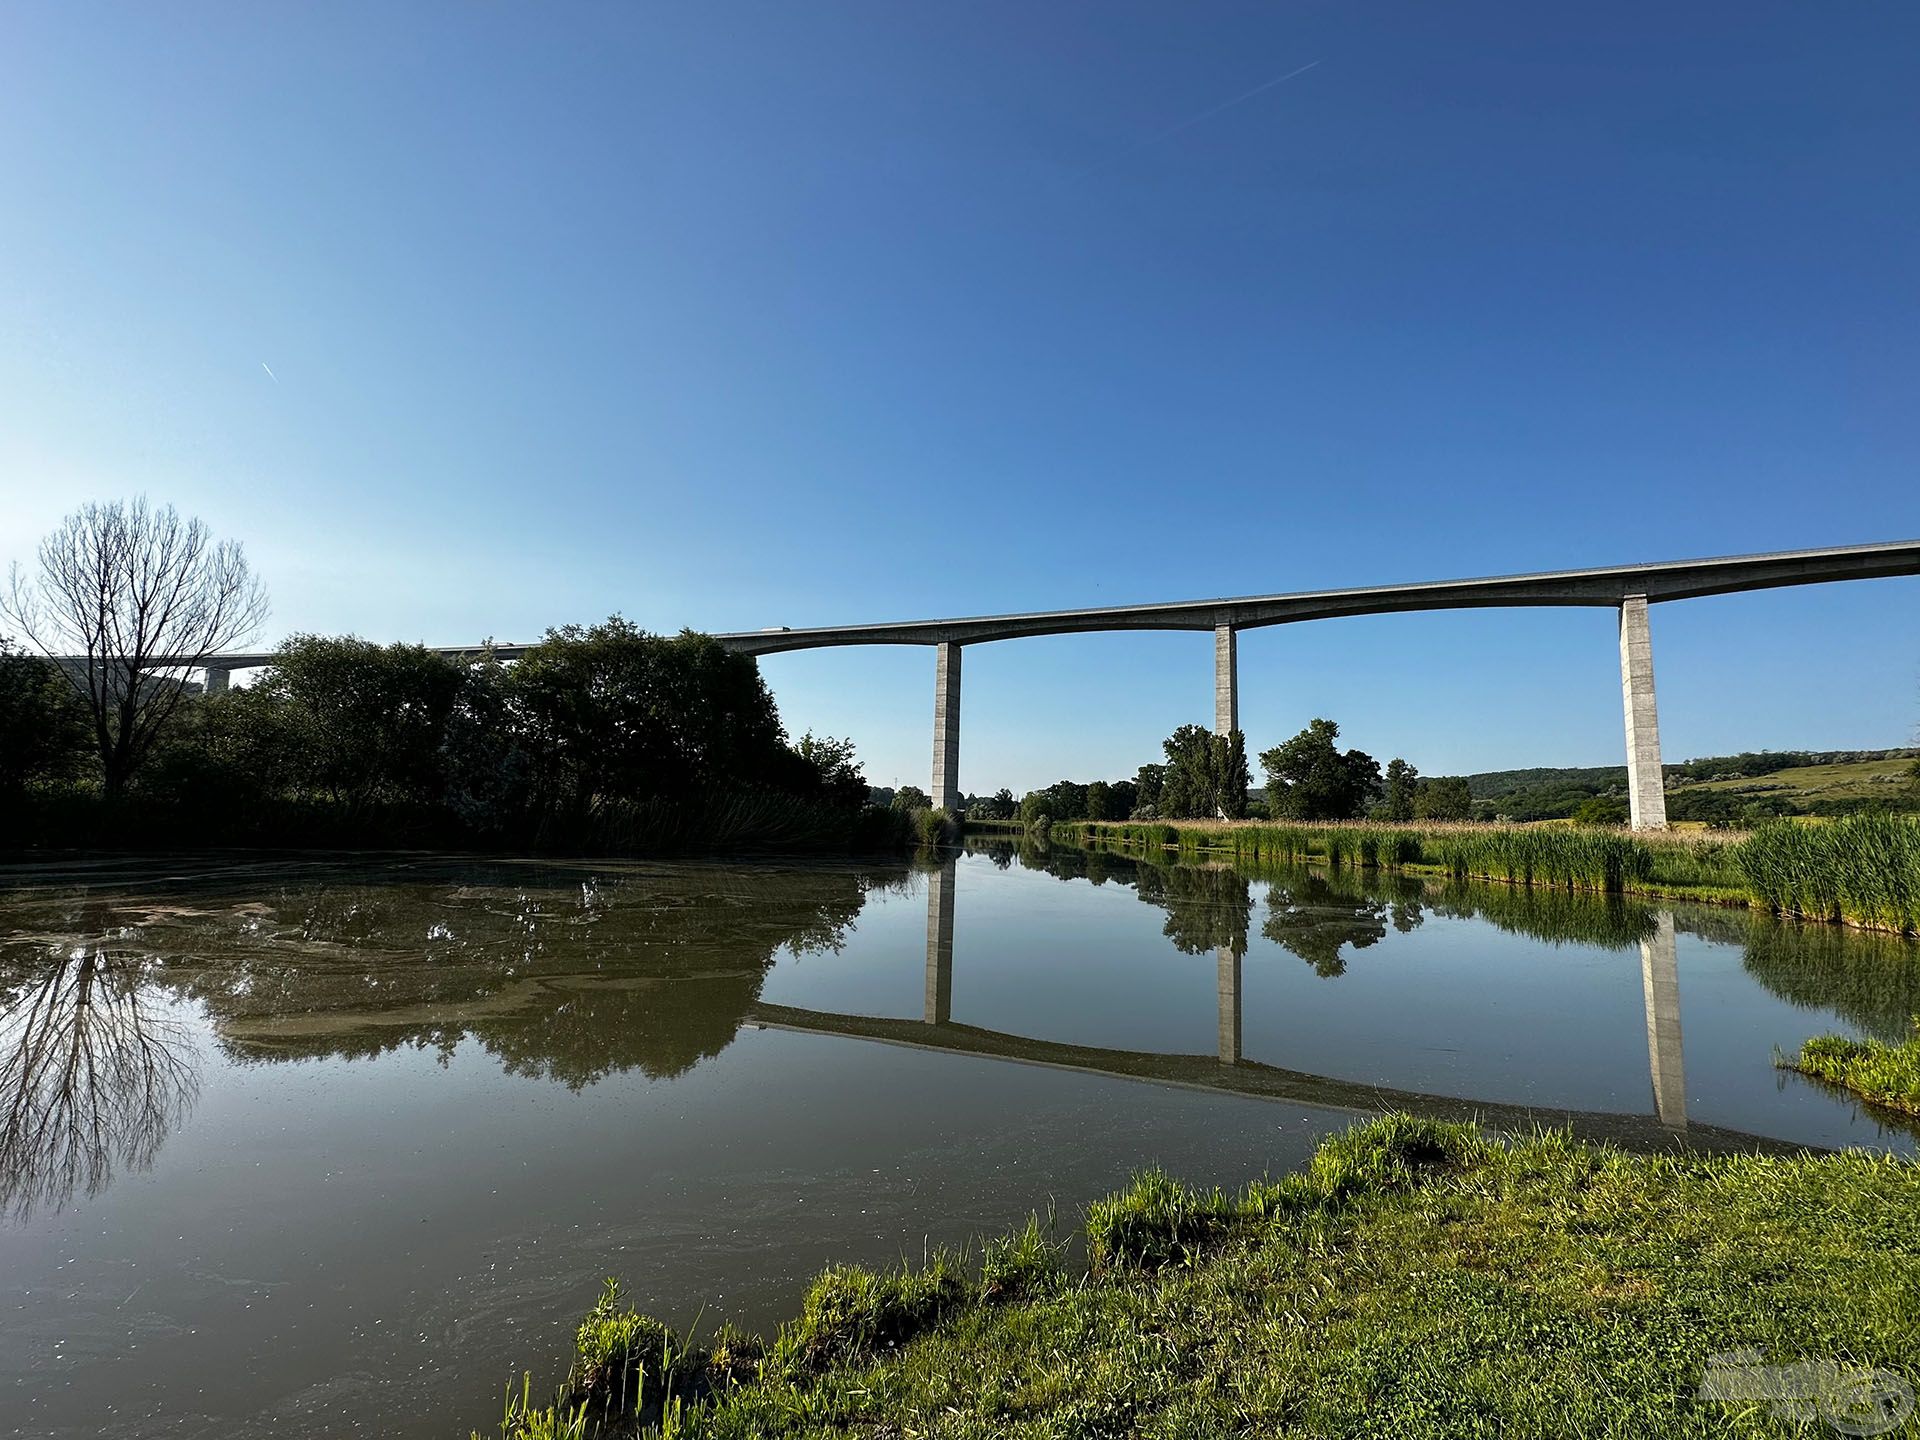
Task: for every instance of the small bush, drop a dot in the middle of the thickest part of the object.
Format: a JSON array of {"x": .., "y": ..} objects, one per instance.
[
  {"x": 850, "y": 1309},
  {"x": 733, "y": 1358},
  {"x": 1155, "y": 1221},
  {"x": 621, "y": 1357},
  {"x": 1394, "y": 1152},
  {"x": 1018, "y": 1264}
]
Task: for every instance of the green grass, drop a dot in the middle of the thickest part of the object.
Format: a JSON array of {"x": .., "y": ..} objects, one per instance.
[
  {"x": 1418, "y": 1279},
  {"x": 1884, "y": 1074}
]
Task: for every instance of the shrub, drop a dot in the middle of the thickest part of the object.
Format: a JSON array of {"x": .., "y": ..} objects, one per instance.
[
  {"x": 850, "y": 1309},
  {"x": 1393, "y": 1152},
  {"x": 622, "y": 1358},
  {"x": 1155, "y": 1221},
  {"x": 1018, "y": 1264}
]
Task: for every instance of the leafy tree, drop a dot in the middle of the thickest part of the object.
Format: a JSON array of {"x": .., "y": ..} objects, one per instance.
[
  {"x": 610, "y": 714},
  {"x": 1100, "y": 801},
  {"x": 140, "y": 598},
  {"x": 1205, "y": 774},
  {"x": 365, "y": 723},
  {"x": 1004, "y": 805},
  {"x": 1187, "y": 780},
  {"x": 44, "y": 733},
  {"x": 836, "y": 773},
  {"x": 911, "y": 797},
  {"x": 1147, "y": 784},
  {"x": 1233, "y": 778},
  {"x": 1123, "y": 796},
  {"x": 1602, "y": 810},
  {"x": 1309, "y": 778},
  {"x": 1403, "y": 781},
  {"x": 1445, "y": 797}
]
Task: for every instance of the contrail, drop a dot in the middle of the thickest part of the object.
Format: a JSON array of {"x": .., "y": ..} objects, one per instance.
[
  {"x": 1204, "y": 115},
  {"x": 269, "y": 369}
]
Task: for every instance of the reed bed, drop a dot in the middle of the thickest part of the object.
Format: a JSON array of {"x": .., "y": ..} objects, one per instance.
[{"x": 1863, "y": 870}]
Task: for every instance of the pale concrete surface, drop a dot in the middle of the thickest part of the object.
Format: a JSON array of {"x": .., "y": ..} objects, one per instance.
[
  {"x": 1229, "y": 984},
  {"x": 946, "y": 728},
  {"x": 1646, "y": 783},
  {"x": 1226, "y": 680},
  {"x": 940, "y": 896},
  {"x": 1660, "y": 979}
]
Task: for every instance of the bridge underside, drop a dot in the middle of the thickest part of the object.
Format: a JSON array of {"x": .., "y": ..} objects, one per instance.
[{"x": 1628, "y": 589}]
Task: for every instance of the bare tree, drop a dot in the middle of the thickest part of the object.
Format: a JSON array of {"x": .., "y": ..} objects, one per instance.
[{"x": 130, "y": 600}]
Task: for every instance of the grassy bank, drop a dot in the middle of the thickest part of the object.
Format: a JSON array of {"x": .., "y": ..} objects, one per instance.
[
  {"x": 1879, "y": 1073},
  {"x": 1419, "y": 1279},
  {"x": 1863, "y": 870}
]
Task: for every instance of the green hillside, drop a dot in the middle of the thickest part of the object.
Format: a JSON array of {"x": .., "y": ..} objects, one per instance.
[{"x": 1722, "y": 788}]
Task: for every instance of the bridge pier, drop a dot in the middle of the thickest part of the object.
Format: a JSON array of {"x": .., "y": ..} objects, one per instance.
[
  {"x": 1646, "y": 784},
  {"x": 946, "y": 728},
  {"x": 1226, "y": 680},
  {"x": 940, "y": 888},
  {"x": 1660, "y": 980},
  {"x": 1229, "y": 973},
  {"x": 214, "y": 682}
]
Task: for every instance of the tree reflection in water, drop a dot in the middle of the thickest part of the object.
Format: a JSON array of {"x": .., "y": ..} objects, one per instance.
[
  {"x": 561, "y": 972},
  {"x": 95, "y": 1072}
]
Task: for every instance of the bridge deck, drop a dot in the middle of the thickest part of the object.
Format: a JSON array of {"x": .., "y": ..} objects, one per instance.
[{"x": 1604, "y": 586}]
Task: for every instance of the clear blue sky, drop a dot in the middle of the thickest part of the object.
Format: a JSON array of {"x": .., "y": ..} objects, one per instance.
[{"x": 741, "y": 315}]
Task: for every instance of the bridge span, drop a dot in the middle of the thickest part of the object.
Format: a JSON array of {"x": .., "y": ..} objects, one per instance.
[{"x": 1628, "y": 589}]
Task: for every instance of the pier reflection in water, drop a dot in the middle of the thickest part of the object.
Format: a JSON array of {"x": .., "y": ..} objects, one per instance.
[
  {"x": 1205, "y": 901},
  {"x": 345, "y": 1145}
]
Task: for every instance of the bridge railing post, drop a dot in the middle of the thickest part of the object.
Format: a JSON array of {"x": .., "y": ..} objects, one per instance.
[
  {"x": 1646, "y": 784},
  {"x": 946, "y": 727}
]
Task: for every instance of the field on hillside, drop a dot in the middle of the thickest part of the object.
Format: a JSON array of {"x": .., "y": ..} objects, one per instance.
[{"x": 1804, "y": 784}]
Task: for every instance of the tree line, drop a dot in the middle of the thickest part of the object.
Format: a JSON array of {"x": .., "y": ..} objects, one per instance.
[
  {"x": 600, "y": 735},
  {"x": 1203, "y": 774}
]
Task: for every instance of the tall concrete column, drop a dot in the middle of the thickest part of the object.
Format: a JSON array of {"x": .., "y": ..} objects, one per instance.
[
  {"x": 214, "y": 682},
  {"x": 1226, "y": 680},
  {"x": 1646, "y": 789},
  {"x": 946, "y": 728},
  {"x": 1660, "y": 980},
  {"x": 940, "y": 887},
  {"x": 1229, "y": 971}
]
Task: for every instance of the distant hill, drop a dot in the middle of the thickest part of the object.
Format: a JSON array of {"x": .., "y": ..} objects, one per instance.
[{"x": 1742, "y": 787}]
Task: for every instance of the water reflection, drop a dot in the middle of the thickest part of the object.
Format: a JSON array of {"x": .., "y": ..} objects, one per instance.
[
  {"x": 95, "y": 1073},
  {"x": 571, "y": 973},
  {"x": 561, "y": 974},
  {"x": 1320, "y": 915}
]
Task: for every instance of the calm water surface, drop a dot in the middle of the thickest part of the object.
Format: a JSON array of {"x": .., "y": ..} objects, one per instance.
[{"x": 338, "y": 1148}]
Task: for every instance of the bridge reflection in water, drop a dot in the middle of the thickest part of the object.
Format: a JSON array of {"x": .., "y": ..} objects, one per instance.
[{"x": 1229, "y": 1070}]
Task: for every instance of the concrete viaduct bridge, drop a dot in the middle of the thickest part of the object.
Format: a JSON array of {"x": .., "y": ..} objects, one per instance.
[{"x": 1628, "y": 589}]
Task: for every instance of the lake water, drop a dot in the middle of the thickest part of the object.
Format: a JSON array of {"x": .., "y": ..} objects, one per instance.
[{"x": 306, "y": 1147}]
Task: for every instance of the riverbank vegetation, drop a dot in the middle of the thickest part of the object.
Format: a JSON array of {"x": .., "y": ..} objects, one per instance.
[
  {"x": 1880, "y": 1073},
  {"x": 599, "y": 738},
  {"x": 1417, "y": 1279},
  {"x": 1861, "y": 870}
]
